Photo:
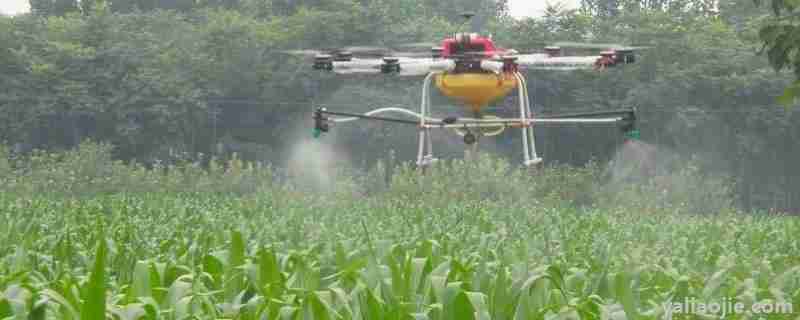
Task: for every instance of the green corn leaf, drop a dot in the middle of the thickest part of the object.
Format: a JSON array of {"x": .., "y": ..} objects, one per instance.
[
  {"x": 233, "y": 276},
  {"x": 318, "y": 309},
  {"x": 71, "y": 309},
  {"x": 5, "y": 308},
  {"x": 94, "y": 303},
  {"x": 129, "y": 312},
  {"x": 374, "y": 306},
  {"x": 38, "y": 311},
  {"x": 269, "y": 271},
  {"x": 142, "y": 285},
  {"x": 626, "y": 295},
  {"x": 150, "y": 307},
  {"x": 462, "y": 308},
  {"x": 420, "y": 268},
  {"x": 714, "y": 283},
  {"x": 478, "y": 302},
  {"x": 289, "y": 313}
]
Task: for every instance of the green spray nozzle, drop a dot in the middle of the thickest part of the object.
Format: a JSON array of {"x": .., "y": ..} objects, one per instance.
[
  {"x": 320, "y": 123},
  {"x": 629, "y": 129},
  {"x": 633, "y": 134}
]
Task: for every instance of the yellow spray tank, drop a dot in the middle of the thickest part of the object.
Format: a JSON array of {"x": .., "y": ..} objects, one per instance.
[{"x": 475, "y": 91}]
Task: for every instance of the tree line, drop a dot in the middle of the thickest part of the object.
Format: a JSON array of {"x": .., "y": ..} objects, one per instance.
[{"x": 165, "y": 78}]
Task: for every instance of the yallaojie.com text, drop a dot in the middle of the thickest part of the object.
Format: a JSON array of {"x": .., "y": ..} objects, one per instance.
[{"x": 724, "y": 308}]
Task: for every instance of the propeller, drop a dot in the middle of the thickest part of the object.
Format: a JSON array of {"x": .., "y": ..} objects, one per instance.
[
  {"x": 411, "y": 50},
  {"x": 345, "y": 52},
  {"x": 597, "y": 46},
  {"x": 416, "y": 45},
  {"x": 399, "y": 66}
]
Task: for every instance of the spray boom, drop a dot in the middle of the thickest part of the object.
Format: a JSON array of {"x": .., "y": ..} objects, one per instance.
[{"x": 625, "y": 117}]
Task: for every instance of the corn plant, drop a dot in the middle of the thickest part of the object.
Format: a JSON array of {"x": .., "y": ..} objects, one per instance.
[{"x": 459, "y": 243}]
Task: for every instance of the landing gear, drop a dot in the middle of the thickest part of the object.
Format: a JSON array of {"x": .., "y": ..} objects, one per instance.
[
  {"x": 525, "y": 123},
  {"x": 425, "y": 156},
  {"x": 390, "y": 65},
  {"x": 526, "y": 115}
]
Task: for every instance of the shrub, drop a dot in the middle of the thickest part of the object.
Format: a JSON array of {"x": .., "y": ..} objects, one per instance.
[{"x": 89, "y": 170}]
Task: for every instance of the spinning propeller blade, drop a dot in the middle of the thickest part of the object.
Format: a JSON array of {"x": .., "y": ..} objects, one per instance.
[
  {"x": 545, "y": 62},
  {"x": 597, "y": 46},
  {"x": 410, "y": 50},
  {"x": 308, "y": 53},
  {"x": 405, "y": 66},
  {"x": 416, "y": 45}
]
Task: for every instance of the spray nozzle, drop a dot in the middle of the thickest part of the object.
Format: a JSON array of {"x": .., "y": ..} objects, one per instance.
[
  {"x": 320, "y": 123},
  {"x": 629, "y": 128},
  {"x": 633, "y": 135}
]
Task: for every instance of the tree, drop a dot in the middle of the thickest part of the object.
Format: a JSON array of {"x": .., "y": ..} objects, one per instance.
[
  {"x": 782, "y": 44},
  {"x": 41, "y": 7},
  {"x": 63, "y": 7},
  {"x": 53, "y": 7},
  {"x": 179, "y": 5}
]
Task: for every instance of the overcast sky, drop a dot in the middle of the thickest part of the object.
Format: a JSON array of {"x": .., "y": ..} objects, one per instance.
[
  {"x": 13, "y": 6},
  {"x": 519, "y": 8},
  {"x": 533, "y": 8}
]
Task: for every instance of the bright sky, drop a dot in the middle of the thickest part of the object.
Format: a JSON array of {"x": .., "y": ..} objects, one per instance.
[
  {"x": 12, "y": 7},
  {"x": 519, "y": 8},
  {"x": 535, "y": 8}
]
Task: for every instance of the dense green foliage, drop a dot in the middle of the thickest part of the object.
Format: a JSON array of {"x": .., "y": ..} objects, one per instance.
[
  {"x": 166, "y": 218},
  {"x": 207, "y": 78},
  {"x": 171, "y": 79},
  {"x": 464, "y": 242},
  {"x": 164, "y": 78},
  {"x": 782, "y": 43}
]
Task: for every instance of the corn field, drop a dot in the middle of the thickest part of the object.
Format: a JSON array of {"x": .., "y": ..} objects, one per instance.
[{"x": 459, "y": 243}]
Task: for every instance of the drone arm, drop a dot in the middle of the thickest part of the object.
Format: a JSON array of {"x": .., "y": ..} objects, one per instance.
[
  {"x": 547, "y": 62},
  {"x": 398, "y": 66},
  {"x": 442, "y": 65}
]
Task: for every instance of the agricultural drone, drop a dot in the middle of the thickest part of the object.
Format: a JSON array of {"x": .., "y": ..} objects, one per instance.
[{"x": 470, "y": 69}]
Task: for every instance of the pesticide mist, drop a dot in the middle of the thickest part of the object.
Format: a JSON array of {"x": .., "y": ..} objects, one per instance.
[
  {"x": 646, "y": 175},
  {"x": 313, "y": 164},
  {"x": 638, "y": 161}
]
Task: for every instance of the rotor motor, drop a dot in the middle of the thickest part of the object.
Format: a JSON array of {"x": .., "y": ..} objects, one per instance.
[
  {"x": 625, "y": 56},
  {"x": 436, "y": 52},
  {"x": 553, "y": 51},
  {"x": 342, "y": 56},
  {"x": 390, "y": 65},
  {"x": 323, "y": 62}
]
